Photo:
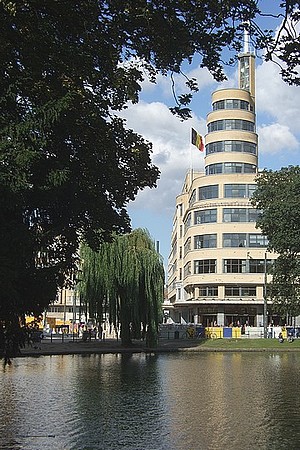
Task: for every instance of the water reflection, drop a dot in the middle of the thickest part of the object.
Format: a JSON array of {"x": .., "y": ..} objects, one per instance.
[{"x": 172, "y": 401}]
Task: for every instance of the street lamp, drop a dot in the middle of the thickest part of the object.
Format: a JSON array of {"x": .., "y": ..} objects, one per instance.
[{"x": 265, "y": 299}]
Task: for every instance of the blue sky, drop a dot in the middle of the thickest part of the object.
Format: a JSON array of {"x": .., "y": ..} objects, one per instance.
[{"x": 278, "y": 128}]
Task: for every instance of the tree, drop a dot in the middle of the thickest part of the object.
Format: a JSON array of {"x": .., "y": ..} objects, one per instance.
[
  {"x": 283, "y": 46},
  {"x": 278, "y": 197},
  {"x": 68, "y": 165},
  {"x": 125, "y": 279},
  {"x": 285, "y": 285}
]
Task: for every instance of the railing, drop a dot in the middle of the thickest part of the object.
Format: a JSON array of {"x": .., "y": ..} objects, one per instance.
[{"x": 193, "y": 331}]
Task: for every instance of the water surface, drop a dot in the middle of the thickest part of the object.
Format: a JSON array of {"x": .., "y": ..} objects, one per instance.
[{"x": 154, "y": 402}]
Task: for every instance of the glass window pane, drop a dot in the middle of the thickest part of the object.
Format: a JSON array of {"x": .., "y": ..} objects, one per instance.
[{"x": 207, "y": 192}]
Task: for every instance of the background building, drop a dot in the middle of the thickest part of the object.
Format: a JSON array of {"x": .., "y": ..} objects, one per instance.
[
  {"x": 218, "y": 260},
  {"x": 66, "y": 313}
]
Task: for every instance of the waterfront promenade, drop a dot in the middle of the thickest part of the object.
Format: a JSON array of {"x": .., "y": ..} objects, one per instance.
[{"x": 70, "y": 347}]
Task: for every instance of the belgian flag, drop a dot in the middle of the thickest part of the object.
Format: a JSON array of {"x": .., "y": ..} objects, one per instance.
[{"x": 197, "y": 140}]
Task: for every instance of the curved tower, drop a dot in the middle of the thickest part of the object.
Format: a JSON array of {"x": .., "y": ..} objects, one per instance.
[{"x": 218, "y": 256}]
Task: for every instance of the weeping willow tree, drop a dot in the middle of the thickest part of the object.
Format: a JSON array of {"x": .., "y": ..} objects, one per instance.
[{"x": 125, "y": 279}]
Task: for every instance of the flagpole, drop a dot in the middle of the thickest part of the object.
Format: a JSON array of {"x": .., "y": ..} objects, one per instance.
[{"x": 191, "y": 156}]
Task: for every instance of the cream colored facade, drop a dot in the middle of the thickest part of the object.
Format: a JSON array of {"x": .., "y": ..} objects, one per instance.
[
  {"x": 68, "y": 314},
  {"x": 217, "y": 265},
  {"x": 65, "y": 313}
]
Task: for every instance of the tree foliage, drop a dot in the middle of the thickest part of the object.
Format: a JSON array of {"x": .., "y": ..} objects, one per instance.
[
  {"x": 285, "y": 285},
  {"x": 278, "y": 197},
  {"x": 68, "y": 164},
  {"x": 283, "y": 46},
  {"x": 125, "y": 280}
]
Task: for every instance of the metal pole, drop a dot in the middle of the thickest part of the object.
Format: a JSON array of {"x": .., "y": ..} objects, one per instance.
[
  {"x": 74, "y": 311},
  {"x": 265, "y": 299},
  {"x": 64, "y": 291}
]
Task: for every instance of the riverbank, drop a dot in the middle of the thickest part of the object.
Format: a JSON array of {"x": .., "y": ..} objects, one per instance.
[{"x": 70, "y": 347}]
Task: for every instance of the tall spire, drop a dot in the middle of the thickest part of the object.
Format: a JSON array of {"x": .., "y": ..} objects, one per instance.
[
  {"x": 247, "y": 64},
  {"x": 246, "y": 41}
]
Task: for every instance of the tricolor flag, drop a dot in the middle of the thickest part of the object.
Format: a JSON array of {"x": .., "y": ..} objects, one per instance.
[{"x": 197, "y": 140}]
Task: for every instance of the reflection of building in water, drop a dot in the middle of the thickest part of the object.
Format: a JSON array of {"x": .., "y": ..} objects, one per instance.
[
  {"x": 218, "y": 257},
  {"x": 208, "y": 396}
]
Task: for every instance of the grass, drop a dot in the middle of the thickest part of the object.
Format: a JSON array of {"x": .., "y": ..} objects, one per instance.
[{"x": 255, "y": 344}]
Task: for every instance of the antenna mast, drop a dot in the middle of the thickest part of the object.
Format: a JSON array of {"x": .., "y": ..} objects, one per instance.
[{"x": 246, "y": 38}]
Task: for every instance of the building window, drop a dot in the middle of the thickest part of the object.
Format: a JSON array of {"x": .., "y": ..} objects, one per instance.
[
  {"x": 244, "y": 72},
  {"x": 180, "y": 231},
  {"x": 238, "y": 190},
  {"x": 251, "y": 189},
  {"x": 235, "y": 190},
  {"x": 231, "y": 146},
  {"x": 234, "y": 266},
  {"x": 212, "y": 169},
  {"x": 258, "y": 240},
  {"x": 208, "y": 291},
  {"x": 244, "y": 240},
  {"x": 172, "y": 268},
  {"x": 240, "y": 291},
  {"x": 187, "y": 269},
  {"x": 249, "y": 168},
  {"x": 231, "y": 104},
  {"x": 205, "y": 241},
  {"x": 187, "y": 222},
  {"x": 174, "y": 247},
  {"x": 253, "y": 215},
  {"x": 245, "y": 266},
  {"x": 205, "y": 216},
  {"x": 234, "y": 215},
  {"x": 240, "y": 214},
  {"x": 205, "y": 266},
  {"x": 234, "y": 240},
  {"x": 187, "y": 246},
  {"x": 248, "y": 291},
  {"x": 207, "y": 192},
  {"x": 192, "y": 198},
  {"x": 231, "y": 124},
  {"x": 256, "y": 265},
  {"x": 233, "y": 167}
]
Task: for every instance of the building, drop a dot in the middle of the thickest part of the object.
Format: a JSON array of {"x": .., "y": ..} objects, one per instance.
[
  {"x": 217, "y": 265},
  {"x": 66, "y": 313}
]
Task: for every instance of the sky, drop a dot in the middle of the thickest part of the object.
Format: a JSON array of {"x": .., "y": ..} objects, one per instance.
[{"x": 277, "y": 125}]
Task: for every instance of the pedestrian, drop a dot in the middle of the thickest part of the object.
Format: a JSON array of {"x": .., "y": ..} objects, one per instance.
[{"x": 280, "y": 338}]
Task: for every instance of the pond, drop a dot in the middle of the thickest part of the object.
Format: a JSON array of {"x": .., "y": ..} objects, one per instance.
[{"x": 152, "y": 402}]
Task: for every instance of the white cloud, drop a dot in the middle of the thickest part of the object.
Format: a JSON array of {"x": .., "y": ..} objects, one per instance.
[
  {"x": 276, "y": 98},
  {"x": 163, "y": 87},
  {"x": 276, "y": 137},
  {"x": 172, "y": 151},
  {"x": 278, "y": 117},
  {"x": 202, "y": 75}
]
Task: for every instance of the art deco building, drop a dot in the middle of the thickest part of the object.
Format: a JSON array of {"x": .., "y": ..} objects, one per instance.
[{"x": 217, "y": 264}]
